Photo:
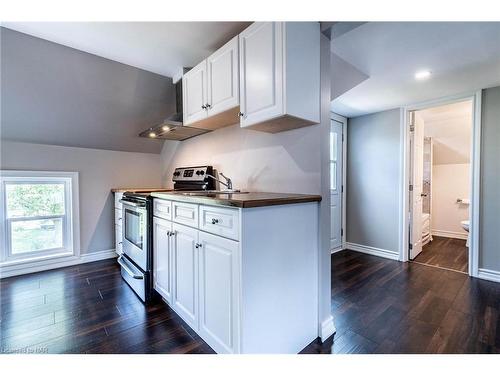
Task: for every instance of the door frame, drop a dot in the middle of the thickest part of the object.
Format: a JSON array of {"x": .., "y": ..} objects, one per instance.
[
  {"x": 474, "y": 207},
  {"x": 343, "y": 120}
]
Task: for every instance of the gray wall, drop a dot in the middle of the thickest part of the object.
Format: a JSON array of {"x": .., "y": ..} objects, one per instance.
[
  {"x": 99, "y": 171},
  {"x": 52, "y": 94},
  {"x": 373, "y": 154},
  {"x": 489, "y": 256}
]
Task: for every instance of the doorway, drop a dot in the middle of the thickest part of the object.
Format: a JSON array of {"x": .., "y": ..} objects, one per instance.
[
  {"x": 337, "y": 181},
  {"x": 440, "y": 191}
]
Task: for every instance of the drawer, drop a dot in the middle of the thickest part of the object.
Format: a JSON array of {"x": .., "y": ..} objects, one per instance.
[
  {"x": 185, "y": 213},
  {"x": 162, "y": 208},
  {"x": 223, "y": 222},
  {"x": 118, "y": 196},
  {"x": 118, "y": 216}
]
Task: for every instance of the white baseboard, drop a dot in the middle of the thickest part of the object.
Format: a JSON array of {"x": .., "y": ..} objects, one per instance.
[
  {"x": 337, "y": 249},
  {"x": 490, "y": 275},
  {"x": 327, "y": 328},
  {"x": 449, "y": 234},
  {"x": 50, "y": 264},
  {"x": 373, "y": 251}
]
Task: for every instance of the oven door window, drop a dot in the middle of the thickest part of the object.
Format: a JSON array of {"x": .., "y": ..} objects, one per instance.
[{"x": 134, "y": 227}]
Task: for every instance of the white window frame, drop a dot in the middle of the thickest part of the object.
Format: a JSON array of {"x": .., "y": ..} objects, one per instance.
[{"x": 71, "y": 225}]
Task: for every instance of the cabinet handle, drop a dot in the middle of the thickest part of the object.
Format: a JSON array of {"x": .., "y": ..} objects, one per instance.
[
  {"x": 215, "y": 221},
  {"x": 203, "y": 107},
  {"x": 121, "y": 242},
  {"x": 240, "y": 114},
  {"x": 198, "y": 245},
  {"x": 208, "y": 106}
]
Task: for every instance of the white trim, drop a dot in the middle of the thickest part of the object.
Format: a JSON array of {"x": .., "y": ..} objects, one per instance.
[
  {"x": 337, "y": 249},
  {"x": 475, "y": 180},
  {"x": 16, "y": 269},
  {"x": 343, "y": 120},
  {"x": 327, "y": 328},
  {"x": 490, "y": 275},
  {"x": 373, "y": 251},
  {"x": 449, "y": 234}
]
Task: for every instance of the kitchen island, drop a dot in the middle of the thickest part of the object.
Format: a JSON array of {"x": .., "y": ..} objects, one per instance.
[{"x": 241, "y": 269}]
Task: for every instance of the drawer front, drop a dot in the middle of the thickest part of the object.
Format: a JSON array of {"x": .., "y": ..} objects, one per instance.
[
  {"x": 162, "y": 209},
  {"x": 185, "y": 213},
  {"x": 118, "y": 216},
  {"x": 220, "y": 221},
  {"x": 118, "y": 196},
  {"x": 118, "y": 239}
]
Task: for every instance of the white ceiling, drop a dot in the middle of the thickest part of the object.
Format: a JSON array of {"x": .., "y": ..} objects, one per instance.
[
  {"x": 462, "y": 57},
  {"x": 159, "y": 47},
  {"x": 450, "y": 127}
]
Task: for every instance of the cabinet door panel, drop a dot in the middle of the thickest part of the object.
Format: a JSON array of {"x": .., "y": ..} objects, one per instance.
[
  {"x": 261, "y": 72},
  {"x": 185, "y": 296},
  {"x": 194, "y": 93},
  {"x": 162, "y": 258},
  {"x": 218, "y": 259},
  {"x": 223, "y": 78}
]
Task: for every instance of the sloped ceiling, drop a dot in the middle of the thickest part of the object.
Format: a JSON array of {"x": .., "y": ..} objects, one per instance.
[
  {"x": 463, "y": 56},
  {"x": 450, "y": 127},
  {"x": 105, "y": 90}
]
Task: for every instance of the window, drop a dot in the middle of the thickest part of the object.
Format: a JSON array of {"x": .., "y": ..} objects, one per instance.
[
  {"x": 38, "y": 215},
  {"x": 333, "y": 160}
]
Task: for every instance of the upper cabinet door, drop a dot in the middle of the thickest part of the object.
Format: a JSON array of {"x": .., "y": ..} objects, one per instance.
[
  {"x": 194, "y": 93},
  {"x": 223, "y": 78},
  {"x": 261, "y": 72}
]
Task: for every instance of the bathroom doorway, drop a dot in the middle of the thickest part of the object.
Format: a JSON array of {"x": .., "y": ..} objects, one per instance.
[{"x": 441, "y": 139}]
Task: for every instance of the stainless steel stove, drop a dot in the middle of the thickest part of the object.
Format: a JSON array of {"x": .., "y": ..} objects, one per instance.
[{"x": 137, "y": 259}]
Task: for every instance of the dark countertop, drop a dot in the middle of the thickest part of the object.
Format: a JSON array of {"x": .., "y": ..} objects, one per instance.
[
  {"x": 138, "y": 190},
  {"x": 240, "y": 200}
]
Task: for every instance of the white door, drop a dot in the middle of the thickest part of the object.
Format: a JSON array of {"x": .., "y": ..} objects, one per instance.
[
  {"x": 185, "y": 250},
  {"x": 261, "y": 72},
  {"x": 336, "y": 152},
  {"x": 162, "y": 258},
  {"x": 194, "y": 93},
  {"x": 417, "y": 180},
  {"x": 218, "y": 264},
  {"x": 223, "y": 78}
]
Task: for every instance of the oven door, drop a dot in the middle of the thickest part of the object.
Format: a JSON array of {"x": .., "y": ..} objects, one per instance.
[{"x": 135, "y": 232}]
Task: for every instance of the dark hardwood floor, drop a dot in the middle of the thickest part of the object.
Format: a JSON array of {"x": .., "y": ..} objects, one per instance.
[
  {"x": 379, "y": 305},
  {"x": 385, "y": 306},
  {"x": 445, "y": 252}
]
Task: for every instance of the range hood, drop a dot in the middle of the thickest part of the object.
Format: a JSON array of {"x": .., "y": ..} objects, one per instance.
[{"x": 172, "y": 128}]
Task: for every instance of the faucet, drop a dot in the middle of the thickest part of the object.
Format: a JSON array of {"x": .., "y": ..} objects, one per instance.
[{"x": 228, "y": 183}]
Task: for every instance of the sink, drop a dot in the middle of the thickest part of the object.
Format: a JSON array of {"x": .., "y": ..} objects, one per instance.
[{"x": 212, "y": 192}]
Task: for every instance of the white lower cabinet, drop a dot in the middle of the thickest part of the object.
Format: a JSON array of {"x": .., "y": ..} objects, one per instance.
[
  {"x": 218, "y": 293},
  {"x": 162, "y": 255},
  {"x": 240, "y": 276},
  {"x": 185, "y": 272}
]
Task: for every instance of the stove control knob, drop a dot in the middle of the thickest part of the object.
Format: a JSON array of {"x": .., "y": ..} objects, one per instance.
[{"x": 202, "y": 172}]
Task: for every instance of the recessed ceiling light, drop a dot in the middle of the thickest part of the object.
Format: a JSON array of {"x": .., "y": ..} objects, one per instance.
[
  {"x": 165, "y": 128},
  {"x": 422, "y": 74},
  {"x": 152, "y": 135}
]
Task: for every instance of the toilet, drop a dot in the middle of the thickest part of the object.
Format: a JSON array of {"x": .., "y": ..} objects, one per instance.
[{"x": 465, "y": 224}]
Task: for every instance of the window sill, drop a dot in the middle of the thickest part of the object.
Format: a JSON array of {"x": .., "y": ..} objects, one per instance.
[{"x": 34, "y": 260}]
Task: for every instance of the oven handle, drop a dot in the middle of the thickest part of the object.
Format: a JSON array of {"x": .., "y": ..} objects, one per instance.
[
  {"x": 133, "y": 204},
  {"x": 128, "y": 270}
]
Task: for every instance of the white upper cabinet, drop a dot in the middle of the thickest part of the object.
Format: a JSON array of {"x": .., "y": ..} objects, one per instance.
[
  {"x": 194, "y": 94},
  {"x": 211, "y": 90},
  {"x": 223, "y": 79},
  {"x": 279, "y": 75}
]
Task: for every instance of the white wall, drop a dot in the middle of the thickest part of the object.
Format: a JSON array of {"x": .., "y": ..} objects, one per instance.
[
  {"x": 449, "y": 182},
  {"x": 284, "y": 162},
  {"x": 99, "y": 171}
]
